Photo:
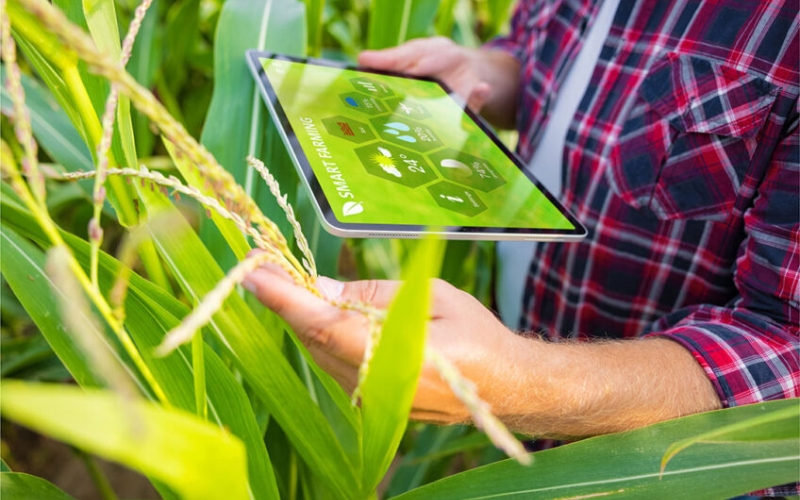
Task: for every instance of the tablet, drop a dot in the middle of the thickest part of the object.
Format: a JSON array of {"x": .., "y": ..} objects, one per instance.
[{"x": 392, "y": 156}]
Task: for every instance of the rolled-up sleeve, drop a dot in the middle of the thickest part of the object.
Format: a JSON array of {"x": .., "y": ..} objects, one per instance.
[{"x": 750, "y": 349}]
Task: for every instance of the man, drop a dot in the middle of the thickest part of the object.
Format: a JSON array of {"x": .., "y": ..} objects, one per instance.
[{"x": 681, "y": 159}]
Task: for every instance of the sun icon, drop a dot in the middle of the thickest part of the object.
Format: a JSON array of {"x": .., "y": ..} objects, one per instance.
[{"x": 385, "y": 162}]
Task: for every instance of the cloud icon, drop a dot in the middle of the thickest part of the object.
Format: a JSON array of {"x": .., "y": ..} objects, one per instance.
[{"x": 352, "y": 208}]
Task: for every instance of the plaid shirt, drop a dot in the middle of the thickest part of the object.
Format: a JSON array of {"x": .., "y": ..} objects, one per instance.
[{"x": 682, "y": 161}]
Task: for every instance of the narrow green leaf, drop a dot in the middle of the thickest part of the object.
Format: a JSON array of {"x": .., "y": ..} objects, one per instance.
[
  {"x": 627, "y": 465},
  {"x": 26, "y": 487},
  {"x": 391, "y": 382},
  {"x": 196, "y": 459}
]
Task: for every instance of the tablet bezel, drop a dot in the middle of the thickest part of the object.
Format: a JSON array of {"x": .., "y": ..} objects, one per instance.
[{"x": 361, "y": 230}]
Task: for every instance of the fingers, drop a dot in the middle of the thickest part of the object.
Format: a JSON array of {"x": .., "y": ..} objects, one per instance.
[
  {"x": 322, "y": 326},
  {"x": 276, "y": 290}
]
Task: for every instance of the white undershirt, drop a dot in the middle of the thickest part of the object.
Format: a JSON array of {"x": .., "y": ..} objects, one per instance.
[{"x": 514, "y": 258}]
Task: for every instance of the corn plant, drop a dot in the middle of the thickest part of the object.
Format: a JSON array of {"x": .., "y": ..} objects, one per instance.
[{"x": 185, "y": 378}]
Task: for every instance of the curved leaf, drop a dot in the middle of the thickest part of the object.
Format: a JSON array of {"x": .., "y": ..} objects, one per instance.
[
  {"x": 627, "y": 465},
  {"x": 26, "y": 487}
]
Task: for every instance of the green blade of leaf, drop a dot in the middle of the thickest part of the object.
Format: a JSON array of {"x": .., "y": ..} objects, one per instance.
[
  {"x": 391, "y": 382},
  {"x": 771, "y": 426},
  {"x": 250, "y": 346},
  {"x": 196, "y": 459},
  {"x": 314, "y": 10},
  {"x": 627, "y": 465},
  {"x": 26, "y": 487}
]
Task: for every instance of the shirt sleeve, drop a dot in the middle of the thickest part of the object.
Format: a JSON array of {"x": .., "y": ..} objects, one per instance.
[{"x": 751, "y": 348}]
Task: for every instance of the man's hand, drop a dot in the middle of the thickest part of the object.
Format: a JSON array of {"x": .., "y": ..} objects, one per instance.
[
  {"x": 460, "y": 329},
  {"x": 486, "y": 79}
]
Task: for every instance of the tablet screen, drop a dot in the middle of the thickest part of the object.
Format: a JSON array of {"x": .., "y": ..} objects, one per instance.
[{"x": 387, "y": 150}]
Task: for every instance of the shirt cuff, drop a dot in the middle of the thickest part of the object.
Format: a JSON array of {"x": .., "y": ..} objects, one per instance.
[{"x": 747, "y": 358}]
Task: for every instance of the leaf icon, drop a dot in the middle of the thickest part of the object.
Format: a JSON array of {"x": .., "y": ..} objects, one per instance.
[{"x": 352, "y": 208}]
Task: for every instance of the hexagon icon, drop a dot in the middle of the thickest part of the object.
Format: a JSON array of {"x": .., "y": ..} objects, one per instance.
[
  {"x": 347, "y": 128},
  {"x": 396, "y": 164},
  {"x": 457, "y": 198},
  {"x": 408, "y": 107},
  {"x": 371, "y": 86},
  {"x": 406, "y": 133},
  {"x": 467, "y": 169},
  {"x": 363, "y": 103}
]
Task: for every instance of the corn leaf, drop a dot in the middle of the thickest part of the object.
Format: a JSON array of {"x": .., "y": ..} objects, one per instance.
[
  {"x": 26, "y": 487},
  {"x": 236, "y": 122},
  {"x": 255, "y": 353},
  {"x": 627, "y": 465},
  {"x": 314, "y": 10},
  {"x": 391, "y": 382},
  {"x": 770, "y": 426},
  {"x": 194, "y": 458}
]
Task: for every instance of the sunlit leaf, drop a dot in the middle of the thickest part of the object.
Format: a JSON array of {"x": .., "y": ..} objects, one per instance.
[
  {"x": 391, "y": 382},
  {"x": 196, "y": 459}
]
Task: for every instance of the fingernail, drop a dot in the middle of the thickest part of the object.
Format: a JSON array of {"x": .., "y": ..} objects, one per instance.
[
  {"x": 330, "y": 288},
  {"x": 249, "y": 285}
]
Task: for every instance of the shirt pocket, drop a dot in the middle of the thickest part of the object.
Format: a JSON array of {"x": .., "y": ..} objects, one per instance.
[{"x": 688, "y": 141}]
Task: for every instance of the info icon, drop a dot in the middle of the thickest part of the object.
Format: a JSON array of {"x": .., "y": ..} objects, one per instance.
[
  {"x": 347, "y": 128},
  {"x": 457, "y": 198}
]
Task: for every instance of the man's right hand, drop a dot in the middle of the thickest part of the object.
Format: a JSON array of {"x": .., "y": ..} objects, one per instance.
[{"x": 486, "y": 79}]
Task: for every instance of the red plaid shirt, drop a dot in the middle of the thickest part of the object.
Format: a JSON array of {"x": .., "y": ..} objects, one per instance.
[{"x": 682, "y": 161}]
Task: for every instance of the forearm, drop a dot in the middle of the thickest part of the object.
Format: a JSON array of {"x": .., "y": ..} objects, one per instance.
[{"x": 572, "y": 389}]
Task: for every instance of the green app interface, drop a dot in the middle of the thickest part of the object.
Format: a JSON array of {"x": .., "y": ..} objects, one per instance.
[{"x": 390, "y": 150}]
